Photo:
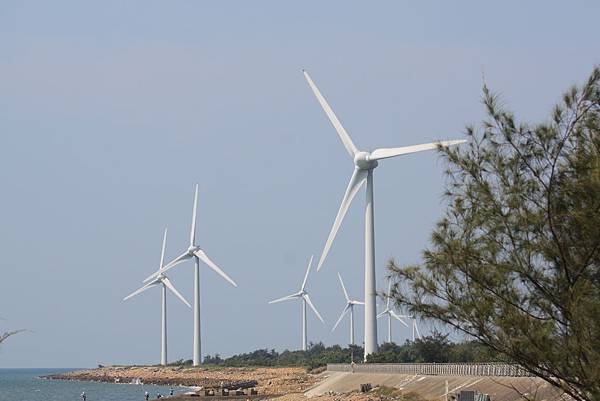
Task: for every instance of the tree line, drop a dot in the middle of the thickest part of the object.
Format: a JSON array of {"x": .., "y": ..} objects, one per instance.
[{"x": 433, "y": 348}]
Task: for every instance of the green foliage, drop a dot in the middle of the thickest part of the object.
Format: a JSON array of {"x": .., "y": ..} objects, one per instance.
[
  {"x": 317, "y": 355},
  {"x": 473, "y": 351},
  {"x": 433, "y": 348},
  {"x": 182, "y": 362},
  {"x": 515, "y": 262},
  {"x": 384, "y": 393}
]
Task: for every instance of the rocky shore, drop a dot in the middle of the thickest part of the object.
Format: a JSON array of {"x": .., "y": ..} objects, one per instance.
[{"x": 271, "y": 381}]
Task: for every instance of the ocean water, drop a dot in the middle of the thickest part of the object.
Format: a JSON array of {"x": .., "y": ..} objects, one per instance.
[{"x": 25, "y": 385}]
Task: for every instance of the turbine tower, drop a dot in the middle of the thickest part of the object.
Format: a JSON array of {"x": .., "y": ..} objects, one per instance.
[
  {"x": 303, "y": 295},
  {"x": 391, "y": 314},
  {"x": 364, "y": 164},
  {"x": 195, "y": 252},
  {"x": 164, "y": 282},
  {"x": 349, "y": 307}
]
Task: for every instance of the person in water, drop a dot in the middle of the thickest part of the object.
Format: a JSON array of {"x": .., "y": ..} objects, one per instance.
[
  {"x": 146, "y": 395},
  {"x": 171, "y": 391},
  {"x": 83, "y": 396}
]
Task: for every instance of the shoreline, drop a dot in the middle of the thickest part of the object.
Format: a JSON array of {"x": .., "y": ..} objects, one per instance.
[{"x": 267, "y": 381}]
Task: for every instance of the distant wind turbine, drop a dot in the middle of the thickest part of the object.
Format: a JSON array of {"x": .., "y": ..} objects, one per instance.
[
  {"x": 303, "y": 295},
  {"x": 364, "y": 164},
  {"x": 196, "y": 253},
  {"x": 389, "y": 311},
  {"x": 164, "y": 282},
  {"x": 415, "y": 328},
  {"x": 348, "y": 308}
]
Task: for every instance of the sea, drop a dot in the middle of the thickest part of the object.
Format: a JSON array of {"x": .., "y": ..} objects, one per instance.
[{"x": 26, "y": 385}]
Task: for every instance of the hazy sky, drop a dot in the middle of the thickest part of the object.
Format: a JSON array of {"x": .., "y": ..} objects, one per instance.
[{"x": 111, "y": 112}]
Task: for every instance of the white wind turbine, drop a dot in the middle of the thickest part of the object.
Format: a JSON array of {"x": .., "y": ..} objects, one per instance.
[
  {"x": 364, "y": 164},
  {"x": 303, "y": 295},
  {"x": 348, "y": 308},
  {"x": 391, "y": 314},
  {"x": 415, "y": 328},
  {"x": 195, "y": 252},
  {"x": 164, "y": 282}
]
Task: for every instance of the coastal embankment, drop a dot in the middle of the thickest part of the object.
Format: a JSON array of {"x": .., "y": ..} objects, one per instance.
[
  {"x": 270, "y": 381},
  {"x": 400, "y": 382}
]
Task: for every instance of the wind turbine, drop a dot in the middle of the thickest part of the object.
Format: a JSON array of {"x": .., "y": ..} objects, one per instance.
[
  {"x": 164, "y": 282},
  {"x": 303, "y": 295},
  {"x": 415, "y": 328},
  {"x": 195, "y": 252},
  {"x": 391, "y": 314},
  {"x": 364, "y": 164},
  {"x": 349, "y": 307}
]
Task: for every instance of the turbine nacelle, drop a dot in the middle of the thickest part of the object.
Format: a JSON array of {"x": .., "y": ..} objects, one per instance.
[
  {"x": 158, "y": 278},
  {"x": 193, "y": 249},
  {"x": 363, "y": 161}
]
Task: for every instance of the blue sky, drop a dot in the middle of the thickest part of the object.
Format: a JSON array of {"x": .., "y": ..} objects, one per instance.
[{"x": 110, "y": 113}]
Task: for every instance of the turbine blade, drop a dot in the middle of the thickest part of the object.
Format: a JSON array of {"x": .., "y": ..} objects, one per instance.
[
  {"x": 358, "y": 302},
  {"x": 344, "y": 312},
  {"x": 387, "y": 306},
  {"x": 395, "y": 316},
  {"x": 162, "y": 253},
  {"x": 309, "y": 302},
  {"x": 286, "y": 298},
  {"x": 356, "y": 181},
  {"x": 306, "y": 274},
  {"x": 152, "y": 276},
  {"x": 332, "y": 117},
  {"x": 139, "y": 290},
  {"x": 179, "y": 259},
  {"x": 171, "y": 287},
  {"x": 203, "y": 257},
  {"x": 343, "y": 287},
  {"x": 385, "y": 153},
  {"x": 417, "y": 328},
  {"x": 193, "y": 229},
  {"x": 385, "y": 312}
]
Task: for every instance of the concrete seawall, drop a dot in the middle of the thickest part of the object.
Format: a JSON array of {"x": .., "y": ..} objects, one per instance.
[
  {"x": 501, "y": 381},
  {"x": 434, "y": 369}
]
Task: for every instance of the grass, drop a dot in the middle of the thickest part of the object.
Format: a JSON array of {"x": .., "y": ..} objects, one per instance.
[{"x": 386, "y": 392}]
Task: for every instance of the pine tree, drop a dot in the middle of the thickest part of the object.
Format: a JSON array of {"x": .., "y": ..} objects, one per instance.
[{"x": 515, "y": 261}]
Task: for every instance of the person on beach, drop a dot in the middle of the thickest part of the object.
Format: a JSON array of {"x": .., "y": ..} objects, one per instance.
[
  {"x": 158, "y": 395},
  {"x": 83, "y": 396},
  {"x": 146, "y": 395}
]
